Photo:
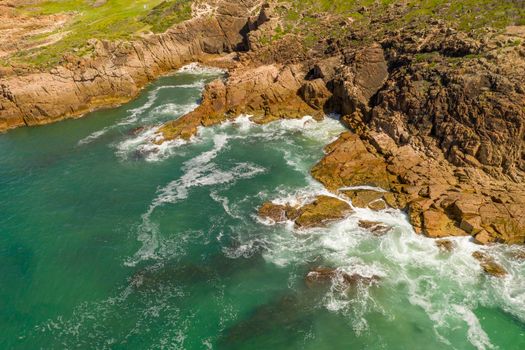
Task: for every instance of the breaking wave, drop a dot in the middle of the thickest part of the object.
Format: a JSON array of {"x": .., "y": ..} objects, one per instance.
[{"x": 448, "y": 287}]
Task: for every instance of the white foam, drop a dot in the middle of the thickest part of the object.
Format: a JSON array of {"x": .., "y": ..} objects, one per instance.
[
  {"x": 197, "y": 68},
  {"x": 198, "y": 171},
  {"x": 225, "y": 202},
  {"x": 447, "y": 286},
  {"x": 93, "y": 136},
  {"x": 476, "y": 334},
  {"x": 139, "y": 114},
  {"x": 365, "y": 187}
]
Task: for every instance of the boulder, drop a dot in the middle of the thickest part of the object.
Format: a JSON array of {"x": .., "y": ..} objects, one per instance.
[
  {"x": 321, "y": 211},
  {"x": 489, "y": 265},
  {"x": 277, "y": 213}
]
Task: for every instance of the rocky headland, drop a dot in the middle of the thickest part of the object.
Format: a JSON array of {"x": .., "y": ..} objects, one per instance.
[{"x": 435, "y": 113}]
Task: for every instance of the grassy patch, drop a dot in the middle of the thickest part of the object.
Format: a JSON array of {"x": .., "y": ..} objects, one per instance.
[
  {"x": 116, "y": 19},
  {"x": 306, "y": 16}
]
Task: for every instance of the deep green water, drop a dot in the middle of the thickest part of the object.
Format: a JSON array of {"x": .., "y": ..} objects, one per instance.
[{"x": 108, "y": 242}]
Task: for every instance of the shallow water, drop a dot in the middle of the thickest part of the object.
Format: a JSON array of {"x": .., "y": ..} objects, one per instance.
[{"x": 108, "y": 241}]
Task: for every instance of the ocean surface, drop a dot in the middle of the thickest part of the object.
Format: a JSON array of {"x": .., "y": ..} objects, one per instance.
[{"x": 108, "y": 241}]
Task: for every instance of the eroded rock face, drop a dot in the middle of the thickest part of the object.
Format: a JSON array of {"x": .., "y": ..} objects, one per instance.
[
  {"x": 441, "y": 200},
  {"x": 268, "y": 93},
  {"x": 473, "y": 110},
  {"x": 363, "y": 74},
  {"x": 118, "y": 70}
]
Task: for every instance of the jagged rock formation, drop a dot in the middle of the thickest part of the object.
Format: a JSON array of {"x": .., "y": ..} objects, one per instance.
[
  {"x": 118, "y": 70},
  {"x": 267, "y": 92},
  {"x": 436, "y": 116}
]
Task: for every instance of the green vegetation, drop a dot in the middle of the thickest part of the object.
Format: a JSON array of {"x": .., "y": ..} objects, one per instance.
[
  {"x": 112, "y": 20},
  {"x": 312, "y": 20},
  {"x": 166, "y": 14},
  {"x": 307, "y": 17}
]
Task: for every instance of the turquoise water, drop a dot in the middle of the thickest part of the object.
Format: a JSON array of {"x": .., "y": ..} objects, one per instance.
[{"x": 110, "y": 242}]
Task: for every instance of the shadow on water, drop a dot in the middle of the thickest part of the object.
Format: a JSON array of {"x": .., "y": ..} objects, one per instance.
[
  {"x": 212, "y": 267},
  {"x": 283, "y": 322}
]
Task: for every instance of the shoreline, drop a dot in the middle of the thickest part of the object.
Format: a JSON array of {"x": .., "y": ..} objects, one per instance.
[{"x": 411, "y": 129}]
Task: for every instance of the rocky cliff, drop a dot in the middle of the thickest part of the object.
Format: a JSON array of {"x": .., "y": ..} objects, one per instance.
[
  {"x": 436, "y": 115},
  {"x": 116, "y": 71}
]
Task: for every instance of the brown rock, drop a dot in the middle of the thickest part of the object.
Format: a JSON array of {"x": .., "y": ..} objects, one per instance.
[
  {"x": 489, "y": 265},
  {"x": 358, "y": 81},
  {"x": 268, "y": 93},
  {"x": 366, "y": 198},
  {"x": 137, "y": 130},
  {"x": 437, "y": 224},
  {"x": 377, "y": 228},
  {"x": 315, "y": 93},
  {"x": 276, "y": 212},
  {"x": 321, "y": 211},
  {"x": 445, "y": 245},
  {"x": 323, "y": 275},
  {"x": 350, "y": 163}
]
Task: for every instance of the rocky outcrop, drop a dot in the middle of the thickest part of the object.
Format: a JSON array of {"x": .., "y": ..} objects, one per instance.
[
  {"x": 349, "y": 163},
  {"x": 441, "y": 199},
  {"x": 118, "y": 70},
  {"x": 435, "y": 116},
  {"x": 278, "y": 213},
  {"x": 267, "y": 93},
  {"x": 321, "y": 211},
  {"x": 465, "y": 93}
]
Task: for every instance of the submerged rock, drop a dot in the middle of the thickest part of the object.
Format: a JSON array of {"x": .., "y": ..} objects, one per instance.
[
  {"x": 445, "y": 245},
  {"x": 489, "y": 265},
  {"x": 323, "y": 275},
  {"x": 375, "y": 227},
  {"x": 518, "y": 255},
  {"x": 136, "y": 131}
]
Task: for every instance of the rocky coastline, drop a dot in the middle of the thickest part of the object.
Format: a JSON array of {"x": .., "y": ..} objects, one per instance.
[{"x": 435, "y": 117}]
